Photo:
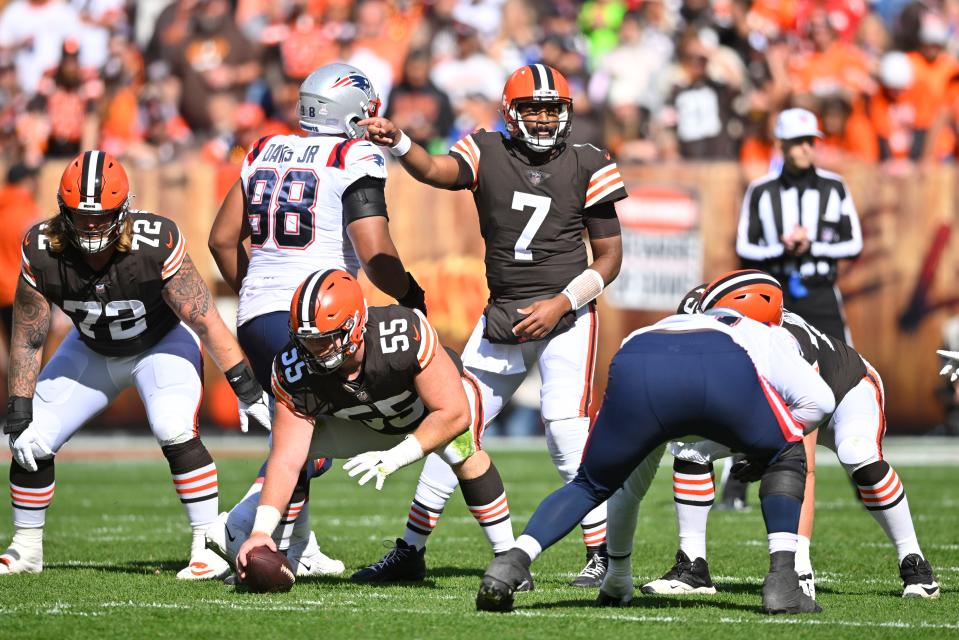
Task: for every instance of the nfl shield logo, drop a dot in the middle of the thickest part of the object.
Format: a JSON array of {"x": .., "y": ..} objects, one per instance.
[
  {"x": 101, "y": 288},
  {"x": 536, "y": 177},
  {"x": 362, "y": 396}
]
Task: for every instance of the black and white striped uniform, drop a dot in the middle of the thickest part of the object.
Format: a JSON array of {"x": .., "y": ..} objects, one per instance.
[{"x": 819, "y": 201}]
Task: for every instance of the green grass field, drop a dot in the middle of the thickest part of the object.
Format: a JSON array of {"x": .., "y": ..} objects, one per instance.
[{"x": 116, "y": 535}]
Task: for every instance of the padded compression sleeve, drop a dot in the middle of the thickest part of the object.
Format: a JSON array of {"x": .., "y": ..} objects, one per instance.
[{"x": 364, "y": 198}]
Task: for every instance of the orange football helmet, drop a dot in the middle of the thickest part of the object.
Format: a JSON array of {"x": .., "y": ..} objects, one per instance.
[
  {"x": 545, "y": 87},
  {"x": 94, "y": 185},
  {"x": 327, "y": 319},
  {"x": 751, "y": 292}
]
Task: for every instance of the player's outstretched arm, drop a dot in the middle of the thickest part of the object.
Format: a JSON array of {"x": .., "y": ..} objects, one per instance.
[
  {"x": 381, "y": 261},
  {"x": 31, "y": 323},
  {"x": 291, "y": 442},
  {"x": 190, "y": 299},
  {"x": 437, "y": 171},
  {"x": 227, "y": 238},
  {"x": 440, "y": 389}
]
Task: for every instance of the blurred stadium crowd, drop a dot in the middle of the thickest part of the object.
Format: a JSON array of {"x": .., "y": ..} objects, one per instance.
[{"x": 153, "y": 81}]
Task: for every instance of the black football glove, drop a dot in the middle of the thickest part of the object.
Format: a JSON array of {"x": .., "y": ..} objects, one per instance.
[
  {"x": 253, "y": 402},
  {"x": 415, "y": 297},
  {"x": 19, "y": 415}
]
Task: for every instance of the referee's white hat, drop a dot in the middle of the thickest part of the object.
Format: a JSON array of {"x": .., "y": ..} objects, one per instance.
[{"x": 797, "y": 123}]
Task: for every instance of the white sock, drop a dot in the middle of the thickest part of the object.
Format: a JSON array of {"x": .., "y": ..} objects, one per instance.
[
  {"x": 529, "y": 545},
  {"x": 782, "y": 541},
  {"x": 803, "y": 562}
]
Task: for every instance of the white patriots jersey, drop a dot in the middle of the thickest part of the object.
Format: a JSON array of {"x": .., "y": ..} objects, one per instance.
[
  {"x": 293, "y": 189},
  {"x": 776, "y": 355}
]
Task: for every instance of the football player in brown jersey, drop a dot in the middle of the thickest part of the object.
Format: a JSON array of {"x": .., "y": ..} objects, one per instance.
[
  {"x": 535, "y": 194},
  {"x": 140, "y": 312},
  {"x": 373, "y": 385}
]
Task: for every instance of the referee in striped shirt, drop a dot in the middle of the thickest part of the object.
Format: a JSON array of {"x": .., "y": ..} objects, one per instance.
[{"x": 798, "y": 224}]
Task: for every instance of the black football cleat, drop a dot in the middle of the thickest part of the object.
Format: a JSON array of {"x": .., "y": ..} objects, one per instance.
[
  {"x": 402, "y": 563},
  {"x": 504, "y": 576},
  {"x": 781, "y": 590},
  {"x": 593, "y": 573},
  {"x": 686, "y": 577},
  {"x": 524, "y": 587},
  {"x": 918, "y": 580}
]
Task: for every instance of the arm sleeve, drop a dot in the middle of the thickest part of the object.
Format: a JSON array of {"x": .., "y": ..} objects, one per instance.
[
  {"x": 173, "y": 246},
  {"x": 428, "y": 341},
  {"x": 850, "y": 233},
  {"x": 807, "y": 394},
  {"x": 601, "y": 221},
  {"x": 364, "y": 198},
  {"x": 467, "y": 154},
  {"x": 27, "y": 271},
  {"x": 605, "y": 183},
  {"x": 752, "y": 239},
  {"x": 284, "y": 392}
]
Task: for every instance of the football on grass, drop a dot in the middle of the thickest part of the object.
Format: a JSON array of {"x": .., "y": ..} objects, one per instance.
[{"x": 268, "y": 571}]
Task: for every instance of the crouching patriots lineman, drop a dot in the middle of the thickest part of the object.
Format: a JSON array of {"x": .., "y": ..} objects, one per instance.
[
  {"x": 721, "y": 376},
  {"x": 394, "y": 394},
  {"x": 140, "y": 311},
  {"x": 854, "y": 431}
]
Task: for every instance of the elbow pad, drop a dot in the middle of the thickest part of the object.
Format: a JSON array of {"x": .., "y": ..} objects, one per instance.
[{"x": 364, "y": 198}]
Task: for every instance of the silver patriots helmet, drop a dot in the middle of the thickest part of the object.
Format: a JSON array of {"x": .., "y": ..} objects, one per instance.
[{"x": 334, "y": 97}]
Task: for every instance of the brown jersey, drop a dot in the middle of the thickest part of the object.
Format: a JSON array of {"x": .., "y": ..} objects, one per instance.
[
  {"x": 118, "y": 310},
  {"x": 532, "y": 216},
  {"x": 399, "y": 343},
  {"x": 840, "y": 366}
]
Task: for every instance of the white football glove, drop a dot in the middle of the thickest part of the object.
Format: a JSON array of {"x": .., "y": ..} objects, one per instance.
[
  {"x": 259, "y": 412},
  {"x": 372, "y": 464},
  {"x": 28, "y": 447},
  {"x": 952, "y": 366}
]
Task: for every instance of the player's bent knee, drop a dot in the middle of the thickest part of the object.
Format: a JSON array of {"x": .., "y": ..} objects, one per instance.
[
  {"x": 786, "y": 476},
  {"x": 171, "y": 437},
  {"x": 473, "y": 467},
  {"x": 856, "y": 452}
]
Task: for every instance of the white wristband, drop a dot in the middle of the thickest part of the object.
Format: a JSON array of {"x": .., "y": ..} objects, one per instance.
[
  {"x": 406, "y": 452},
  {"x": 584, "y": 288},
  {"x": 266, "y": 519},
  {"x": 402, "y": 146}
]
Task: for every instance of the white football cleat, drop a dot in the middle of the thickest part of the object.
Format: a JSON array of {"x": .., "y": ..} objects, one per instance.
[
  {"x": 204, "y": 565},
  {"x": 224, "y": 540},
  {"x": 25, "y": 553},
  {"x": 308, "y": 560}
]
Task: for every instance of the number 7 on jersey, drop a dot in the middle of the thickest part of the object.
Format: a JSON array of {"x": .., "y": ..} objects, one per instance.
[{"x": 540, "y": 206}]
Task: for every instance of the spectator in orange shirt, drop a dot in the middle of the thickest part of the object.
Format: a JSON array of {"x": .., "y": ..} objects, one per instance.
[
  {"x": 934, "y": 68},
  {"x": 846, "y": 135},
  {"x": 900, "y": 112},
  {"x": 832, "y": 65},
  {"x": 18, "y": 211}
]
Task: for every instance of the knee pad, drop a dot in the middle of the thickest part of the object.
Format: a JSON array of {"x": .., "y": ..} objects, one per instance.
[
  {"x": 172, "y": 432},
  {"x": 856, "y": 452},
  {"x": 566, "y": 440},
  {"x": 786, "y": 476}
]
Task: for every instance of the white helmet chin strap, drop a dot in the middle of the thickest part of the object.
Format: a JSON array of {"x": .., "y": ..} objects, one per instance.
[{"x": 541, "y": 142}]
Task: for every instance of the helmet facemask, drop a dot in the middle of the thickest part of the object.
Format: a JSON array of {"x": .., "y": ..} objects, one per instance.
[
  {"x": 334, "y": 346},
  {"x": 524, "y": 119},
  {"x": 100, "y": 237}
]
